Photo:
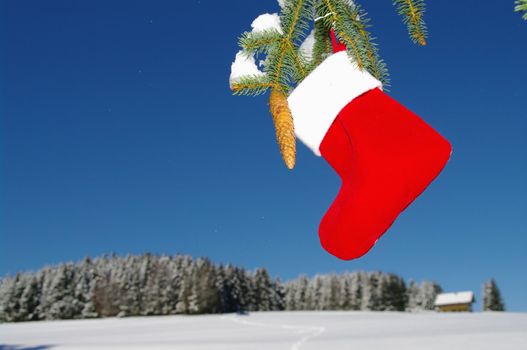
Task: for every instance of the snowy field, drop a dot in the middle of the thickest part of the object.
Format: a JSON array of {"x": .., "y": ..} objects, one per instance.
[{"x": 276, "y": 330}]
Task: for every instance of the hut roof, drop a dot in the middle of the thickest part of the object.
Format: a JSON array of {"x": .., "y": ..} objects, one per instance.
[{"x": 466, "y": 297}]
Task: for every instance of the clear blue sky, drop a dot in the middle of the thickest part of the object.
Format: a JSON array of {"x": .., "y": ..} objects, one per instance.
[{"x": 119, "y": 134}]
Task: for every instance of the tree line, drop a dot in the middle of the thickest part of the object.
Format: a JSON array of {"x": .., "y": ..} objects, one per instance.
[{"x": 166, "y": 285}]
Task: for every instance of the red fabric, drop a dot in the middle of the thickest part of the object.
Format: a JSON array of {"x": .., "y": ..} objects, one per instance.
[
  {"x": 337, "y": 45},
  {"x": 386, "y": 156}
]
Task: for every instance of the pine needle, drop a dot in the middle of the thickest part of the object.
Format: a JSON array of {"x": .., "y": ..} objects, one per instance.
[
  {"x": 336, "y": 10},
  {"x": 252, "y": 42},
  {"x": 350, "y": 25},
  {"x": 412, "y": 12},
  {"x": 521, "y": 6},
  {"x": 322, "y": 47},
  {"x": 251, "y": 85}
]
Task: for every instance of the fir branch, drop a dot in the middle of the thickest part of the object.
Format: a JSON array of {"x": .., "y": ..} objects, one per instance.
[
  {"x": 283, "y": 64},
  {"x": 521, "y": 6},
  {"x": 322, "y": 47},
  {"x": 376, "y": 66},
  {"x": 334, "y": 13},
  {"x": 289, "y": 19},
  {"x": 256, "y": 42},
  {"x": 412, "y": 12},
  {"x": 251, "y": 85},
  {"x": 350, "y": 24},
  {"x": 296, "y": 19},
  {"x": 299, "y": 63}
]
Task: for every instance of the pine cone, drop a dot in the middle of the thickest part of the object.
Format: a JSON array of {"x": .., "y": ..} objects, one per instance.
[{"x": 283, "y": 123}]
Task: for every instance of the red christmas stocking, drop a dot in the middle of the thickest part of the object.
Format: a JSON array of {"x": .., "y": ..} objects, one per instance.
[{"x": 385, "y": 154}]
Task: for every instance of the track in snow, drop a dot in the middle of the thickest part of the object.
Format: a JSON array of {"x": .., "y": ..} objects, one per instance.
[{"x": 310, "y": 331}]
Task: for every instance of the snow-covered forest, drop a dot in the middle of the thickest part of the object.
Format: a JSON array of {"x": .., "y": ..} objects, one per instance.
[{"x": 166, "y": 285}]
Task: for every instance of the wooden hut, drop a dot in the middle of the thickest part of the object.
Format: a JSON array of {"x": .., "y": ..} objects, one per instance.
[{"x": 455, "y": 302}]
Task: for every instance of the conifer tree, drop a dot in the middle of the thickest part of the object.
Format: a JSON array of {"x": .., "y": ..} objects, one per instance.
[
  {"x": 421, "y": 297},
  {"x": 300, "y": 293},
  {"x": 277, "y": 295},
  {"x": 372, "y": 295},
  {"x": 290, "y": 289},
  {"x": 492, "y": 300},
  {"x": 345, "y": 298},
  {"x": 29, "y": 300},
  {"x": 62, "y": 304},
  {"x": 204, "y": 282},
  {"x": 262, "y": 291},
  {"x": 356, "y": 290},
  {"x": 429, "y": 292},
  {"x": 221, "y": 287},
  {"x": 111, "y": 286},
  {"x": 11, "y": 307},
  {"x": 7, "y": 285},
  {"x": 394, "y": 293}
]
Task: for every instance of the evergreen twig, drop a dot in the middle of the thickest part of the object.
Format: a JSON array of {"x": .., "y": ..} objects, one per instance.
[
  {"x": 251, "y": 85},
  {"x": 521, "y": 6},
  {"x": 284, "y": 64},
  {"x": 322, "y": 47},
  {"x": 350, "y": 24},
  {"x": 377, "y": 66},
  {"x": 334, "y": 13},
  {"x": 412, "y": 12},
  {"x": 258, "y": 42}
]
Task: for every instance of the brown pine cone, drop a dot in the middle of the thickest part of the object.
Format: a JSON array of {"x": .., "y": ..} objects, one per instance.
[{"x": 283, "y": 123}]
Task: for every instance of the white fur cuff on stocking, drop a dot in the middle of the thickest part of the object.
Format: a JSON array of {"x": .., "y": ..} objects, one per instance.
[{"x": 317, "y": 101}]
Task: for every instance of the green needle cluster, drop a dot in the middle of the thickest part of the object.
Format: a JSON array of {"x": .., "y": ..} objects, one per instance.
[
  {"x": 285, "y": 65},
  {"x": 521, "y": 6},
  {"x": 412, "y": 12}
]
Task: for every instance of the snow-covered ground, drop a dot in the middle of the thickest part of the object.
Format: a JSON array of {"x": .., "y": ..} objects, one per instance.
[{"x": 277, "y": 330}]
